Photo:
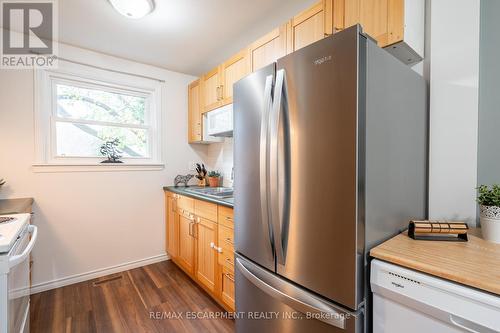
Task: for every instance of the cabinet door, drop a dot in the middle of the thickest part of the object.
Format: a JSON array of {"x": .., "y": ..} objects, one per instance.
[
  {"x": 377, "y": 17},
  {"x": 374, "y": 19},
  {"x": 268, "y": 49},
  {"x": 307, "y": 27},
  {"x": 396, "y": 21},
  {"x": 233, "y": 70},
  {"x": 186, "y": 244},
  {"x": 211, "y": 90},
  {"x": 206, "y": 265},
  {"x": 338, "y": 15},
  {"x": 172, "y": 226},
  {"x": 227, "y": 287},
  {"x": 194, "y": 115}
]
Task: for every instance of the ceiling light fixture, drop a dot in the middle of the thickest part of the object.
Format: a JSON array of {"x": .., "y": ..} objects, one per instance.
[{"x": 135, "y": 9}]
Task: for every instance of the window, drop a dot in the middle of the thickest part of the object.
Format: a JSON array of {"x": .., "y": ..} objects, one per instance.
[
  {"x": 85, "y": 116},
  {"x": 78, "y": 113}
]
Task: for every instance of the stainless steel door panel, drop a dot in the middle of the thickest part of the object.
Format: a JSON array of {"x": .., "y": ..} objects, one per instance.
[
  {"x": 279, "y": 167},
  {"x": 321, "y": 240},
  {"x": 267, "y": 303},
  {"x": 252, "y": 100}
]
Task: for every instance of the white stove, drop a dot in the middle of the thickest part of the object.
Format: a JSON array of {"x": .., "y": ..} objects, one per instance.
[
  {"x": 10, "y": 228},
  {"x": 17, "y": 238}
]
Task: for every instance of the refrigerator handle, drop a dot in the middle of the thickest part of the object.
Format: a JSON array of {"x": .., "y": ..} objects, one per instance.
[
  {"x": 264, "y": 153},
  {"x": 292, "y": 295},
  {"x": 279, "y": 188}
]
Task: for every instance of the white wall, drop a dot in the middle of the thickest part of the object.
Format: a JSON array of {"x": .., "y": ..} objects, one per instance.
[
  {"x": 91, "y": 220},
  {"x": 454, "y": 71},
  {"x": 220, "y": 157}
]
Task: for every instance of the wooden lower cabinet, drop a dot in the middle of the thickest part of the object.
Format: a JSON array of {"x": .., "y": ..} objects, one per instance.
[
  {"x": 227, "y": 287},
  {"x": 172, "y": 227},
  {"x": 186, "y": 256},
  {"x": 206, "y": 268},
  {"x": 200, "y": 237}
]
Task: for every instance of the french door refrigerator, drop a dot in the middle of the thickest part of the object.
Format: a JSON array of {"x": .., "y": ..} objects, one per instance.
[{"x": 330, "y": 151}]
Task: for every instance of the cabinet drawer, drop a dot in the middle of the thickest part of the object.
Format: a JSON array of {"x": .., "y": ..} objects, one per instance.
[
  {"x": 206, "y": 210},
  {"x": 225, "y": 217},
  {"x": 185, "y": 213},
  {"x": 226, "y": 238},
  {"x": 185, "y": 203},
  {"x": 226, "y": 259},
  {"x": 227, "y": 294}
]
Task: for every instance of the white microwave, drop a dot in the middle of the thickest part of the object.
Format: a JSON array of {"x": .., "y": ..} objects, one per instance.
[{"x": 219, "y": 122}]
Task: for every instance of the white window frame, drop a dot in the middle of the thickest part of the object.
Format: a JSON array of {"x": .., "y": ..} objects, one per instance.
[{"x": 46, "y": 158}]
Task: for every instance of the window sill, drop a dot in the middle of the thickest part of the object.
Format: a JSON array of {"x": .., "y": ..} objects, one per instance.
[{"x": 40, "y": 168}]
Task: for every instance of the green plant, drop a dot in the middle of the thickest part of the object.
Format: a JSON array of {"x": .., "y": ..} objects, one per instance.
[
  {"x": 489, "y": 195},
  {"x": 214, "y": 173}
]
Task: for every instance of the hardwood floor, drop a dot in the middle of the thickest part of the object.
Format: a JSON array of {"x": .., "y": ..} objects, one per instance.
[{"x": 154, "y": 298}]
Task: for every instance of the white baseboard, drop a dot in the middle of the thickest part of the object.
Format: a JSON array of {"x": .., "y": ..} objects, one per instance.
[{"x": 36, "y": 288}]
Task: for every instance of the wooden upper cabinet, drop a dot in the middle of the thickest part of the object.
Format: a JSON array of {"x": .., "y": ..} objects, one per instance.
[
  {"x": 194, "y": 112},
  {"x": 218, "y": 83},
  {"x": 338, "y": 15},
  {"x": 383, "y": 20},
  {"x": 396, "y": 21},
  {"x": 373, "y": 18},
  {"x": 231, "y": 71},
  {"x": 211, "y": 87},
  {"x": 311, "y": 25},
  {"x": 206, "y": 267},
  {"x": 268, "y": 49}
]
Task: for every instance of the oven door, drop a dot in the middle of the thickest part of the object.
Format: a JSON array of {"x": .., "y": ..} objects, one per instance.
[{"x": 18, "y": 281}]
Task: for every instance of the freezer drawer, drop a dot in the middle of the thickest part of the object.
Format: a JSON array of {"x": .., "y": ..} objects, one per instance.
[{"x": 267, "y": 303}]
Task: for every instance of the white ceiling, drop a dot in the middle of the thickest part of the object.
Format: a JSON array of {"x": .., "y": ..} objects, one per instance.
[{"x": 188, "y": 36}]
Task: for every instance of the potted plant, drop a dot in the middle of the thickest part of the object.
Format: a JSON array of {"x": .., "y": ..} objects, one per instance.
[
  {"x": 213, "y": 178},
  {"x": 489, "y": 208}
]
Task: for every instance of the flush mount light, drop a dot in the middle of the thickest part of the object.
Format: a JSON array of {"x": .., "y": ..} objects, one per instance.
[{"x": 133, "y": 8}]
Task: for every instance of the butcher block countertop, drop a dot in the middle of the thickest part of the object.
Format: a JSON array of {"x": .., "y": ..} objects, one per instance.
[
  {"x": 475, "y": 263},
  {"x": 15, "y": 206}
]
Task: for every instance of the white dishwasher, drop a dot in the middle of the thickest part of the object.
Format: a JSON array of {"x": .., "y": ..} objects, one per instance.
[{"x": 411, "y": 302}]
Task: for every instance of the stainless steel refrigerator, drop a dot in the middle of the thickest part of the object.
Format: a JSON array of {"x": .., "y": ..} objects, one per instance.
[{"x": 330, "y": 151}]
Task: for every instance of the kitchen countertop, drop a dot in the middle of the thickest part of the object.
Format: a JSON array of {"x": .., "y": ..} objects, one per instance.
[
  {"x": 228, "y": 202},
  {"x": 475, "y": 263},
  {"x": 15, "y": 206}
]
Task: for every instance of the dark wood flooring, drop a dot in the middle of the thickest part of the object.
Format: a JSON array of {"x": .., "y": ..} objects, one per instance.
[{"x": 138, "y": 300}]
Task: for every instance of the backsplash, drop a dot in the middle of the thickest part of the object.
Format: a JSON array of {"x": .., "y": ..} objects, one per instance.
[{"x": 220, "y": 157}]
